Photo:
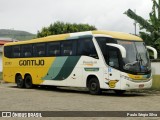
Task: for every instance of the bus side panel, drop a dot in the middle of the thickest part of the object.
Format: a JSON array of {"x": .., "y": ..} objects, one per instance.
[
  {"x": 24, "y": 66},
  {"x": 65, "y": 71},
  {"x": 95, "y": 68},
  {"x": 8, "y": 75},
  {"x": 114, "y": 80}
]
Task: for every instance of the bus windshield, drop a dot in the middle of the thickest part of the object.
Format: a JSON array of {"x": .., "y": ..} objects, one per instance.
[{"x": 137, "y": 59}]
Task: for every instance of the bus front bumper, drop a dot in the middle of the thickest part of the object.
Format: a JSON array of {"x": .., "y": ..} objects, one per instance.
[{"x": 129, "y": 85}]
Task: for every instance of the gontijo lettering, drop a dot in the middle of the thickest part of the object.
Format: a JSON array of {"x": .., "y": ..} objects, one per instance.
[{"x": 31, "y": 62}]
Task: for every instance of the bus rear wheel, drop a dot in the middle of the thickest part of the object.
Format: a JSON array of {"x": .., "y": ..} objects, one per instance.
[
  {"x": 28, "y": 82},
  {"x": 94, "y": 87},
  {"x": 19, "y": 81}
]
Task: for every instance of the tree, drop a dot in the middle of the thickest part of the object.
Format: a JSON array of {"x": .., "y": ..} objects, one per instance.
[
  {"x": 152, "y": 26},
  {"x": 61, "y": 27}
]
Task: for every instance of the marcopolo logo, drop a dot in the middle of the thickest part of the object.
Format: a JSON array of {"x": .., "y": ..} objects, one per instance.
[{"x": 31, "y": 62}]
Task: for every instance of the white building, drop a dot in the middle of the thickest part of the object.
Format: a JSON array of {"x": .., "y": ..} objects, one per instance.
[{"x": 2, "y": 42}]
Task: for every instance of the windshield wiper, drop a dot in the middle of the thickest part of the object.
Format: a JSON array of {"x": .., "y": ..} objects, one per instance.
[
  {"x": 129, "y": 65},
  {"x": 142, "y": 63},
  {"x": 132, "y": 63}
]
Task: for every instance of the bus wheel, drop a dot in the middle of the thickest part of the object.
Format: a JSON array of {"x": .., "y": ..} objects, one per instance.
[
  {"x": 19, "y": 81},
  {"x": 28, "y": 82},
  {"x": 119, "y": 92},
  {"x": 94, "y": 87}
]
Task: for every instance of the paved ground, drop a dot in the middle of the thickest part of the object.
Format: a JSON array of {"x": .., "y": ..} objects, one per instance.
[{"x": 65, "y": 99}]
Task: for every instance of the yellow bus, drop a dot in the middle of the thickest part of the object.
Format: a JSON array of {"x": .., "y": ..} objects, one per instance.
[{"x": 97, "y": 60}]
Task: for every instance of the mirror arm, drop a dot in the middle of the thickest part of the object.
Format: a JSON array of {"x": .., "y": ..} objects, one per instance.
[
  {"x": 120, "y": 47},
  {"x": 154, "y": 51}
]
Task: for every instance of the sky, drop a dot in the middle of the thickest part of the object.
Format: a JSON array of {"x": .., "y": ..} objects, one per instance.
[{"x": 32, "y": 15}]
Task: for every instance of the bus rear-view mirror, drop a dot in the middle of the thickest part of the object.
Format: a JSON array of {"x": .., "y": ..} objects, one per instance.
[
  {"x": 155, "y": 54},
  {"x": 120, "y": 47}
]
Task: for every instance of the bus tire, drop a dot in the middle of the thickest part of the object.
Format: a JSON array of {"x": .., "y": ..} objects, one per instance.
[
  {"x": 19, "y": 81},
  {"x": 28, "y": 82},
  {"x": 94, "y": 87}
]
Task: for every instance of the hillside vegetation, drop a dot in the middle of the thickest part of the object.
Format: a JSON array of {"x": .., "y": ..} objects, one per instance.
[{"x": 16, "y": 34}]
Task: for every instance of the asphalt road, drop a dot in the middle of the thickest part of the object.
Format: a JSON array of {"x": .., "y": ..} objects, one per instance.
[{"x": 73, "y": 99}]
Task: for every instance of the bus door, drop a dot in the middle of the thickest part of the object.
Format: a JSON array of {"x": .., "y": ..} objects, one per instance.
[{"x": 114, "y": 68}]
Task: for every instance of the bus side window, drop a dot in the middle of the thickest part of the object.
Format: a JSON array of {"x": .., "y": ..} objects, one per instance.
[
  {"x": 114, "y": 58},
  {"x": 68, "y": 48},
  {"x": 53, "y": 49},
  {"x": 102, "y": 44},
  {"x": 8, "y": 51},
  {"x": 39, "y": 50},
  {"x": 26, "y": 50},
  {"x": 16, "y": 51},
  {"x": 87, "y": 48}
]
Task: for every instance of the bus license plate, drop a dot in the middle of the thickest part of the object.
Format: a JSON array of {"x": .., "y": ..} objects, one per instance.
[{"x": 141, "y": 85}]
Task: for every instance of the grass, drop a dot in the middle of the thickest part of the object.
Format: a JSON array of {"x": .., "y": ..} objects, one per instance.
[
  {"x": 156, "y": 82},
  {"x": 0, "y": 75}
]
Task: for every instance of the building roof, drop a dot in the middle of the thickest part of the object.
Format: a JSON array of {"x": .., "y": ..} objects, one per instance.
[{"x": 6, "y": 40}]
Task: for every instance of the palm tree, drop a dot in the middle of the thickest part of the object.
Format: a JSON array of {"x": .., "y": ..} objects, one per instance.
[{"x": 152, "y": 26}]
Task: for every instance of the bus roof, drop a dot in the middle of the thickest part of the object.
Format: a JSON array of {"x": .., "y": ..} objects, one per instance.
[{"x": 117, "y": 35}]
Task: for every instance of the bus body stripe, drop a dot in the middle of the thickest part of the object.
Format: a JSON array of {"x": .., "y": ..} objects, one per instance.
[
  {"x": 55, "y": 68},
  {"x": 61, "y": 69}
]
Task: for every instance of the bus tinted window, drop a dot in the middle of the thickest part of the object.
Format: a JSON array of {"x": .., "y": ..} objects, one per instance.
[
  {"x": 102, "y": 44},
  {"x": 68, "y": 48},
  {"x": 16, "y": 51},
  {"x": 114, "y": 59},
  {"x": 39, "y": 50},
  {"x": 87, "y": 48},
  {"x": 26, "y": 50},
  {"x": 53, "y": 49},
  {"x": 8, "y": 51}
]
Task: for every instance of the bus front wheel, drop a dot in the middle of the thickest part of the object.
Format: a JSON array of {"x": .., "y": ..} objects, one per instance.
[
  {"x": 19, "y": 81},
  {"x": 94, "y": 87},
  {"x": 28, "y": 82}
]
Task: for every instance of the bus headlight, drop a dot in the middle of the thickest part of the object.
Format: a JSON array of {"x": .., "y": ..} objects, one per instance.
[{"x": 126, "y": 78}]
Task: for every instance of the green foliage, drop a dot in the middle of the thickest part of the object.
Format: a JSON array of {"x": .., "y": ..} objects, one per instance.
[
  {"x": 143, "y": 23},
  {"x": 61, "y": 27},
  {"x": 15, "y": 34},
  {"x": 152, "y": 26},
  {"x": 1, "y": 76}
]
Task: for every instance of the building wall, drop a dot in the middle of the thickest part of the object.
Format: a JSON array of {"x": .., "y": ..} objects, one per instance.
[
  {"x": 2, "y": 42},
  {"x": 155, "y": 68},
  {"x": 1, "y": 58},
  {"x": 156, "y": 75},
  {"x": 0, "y": 62}
]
